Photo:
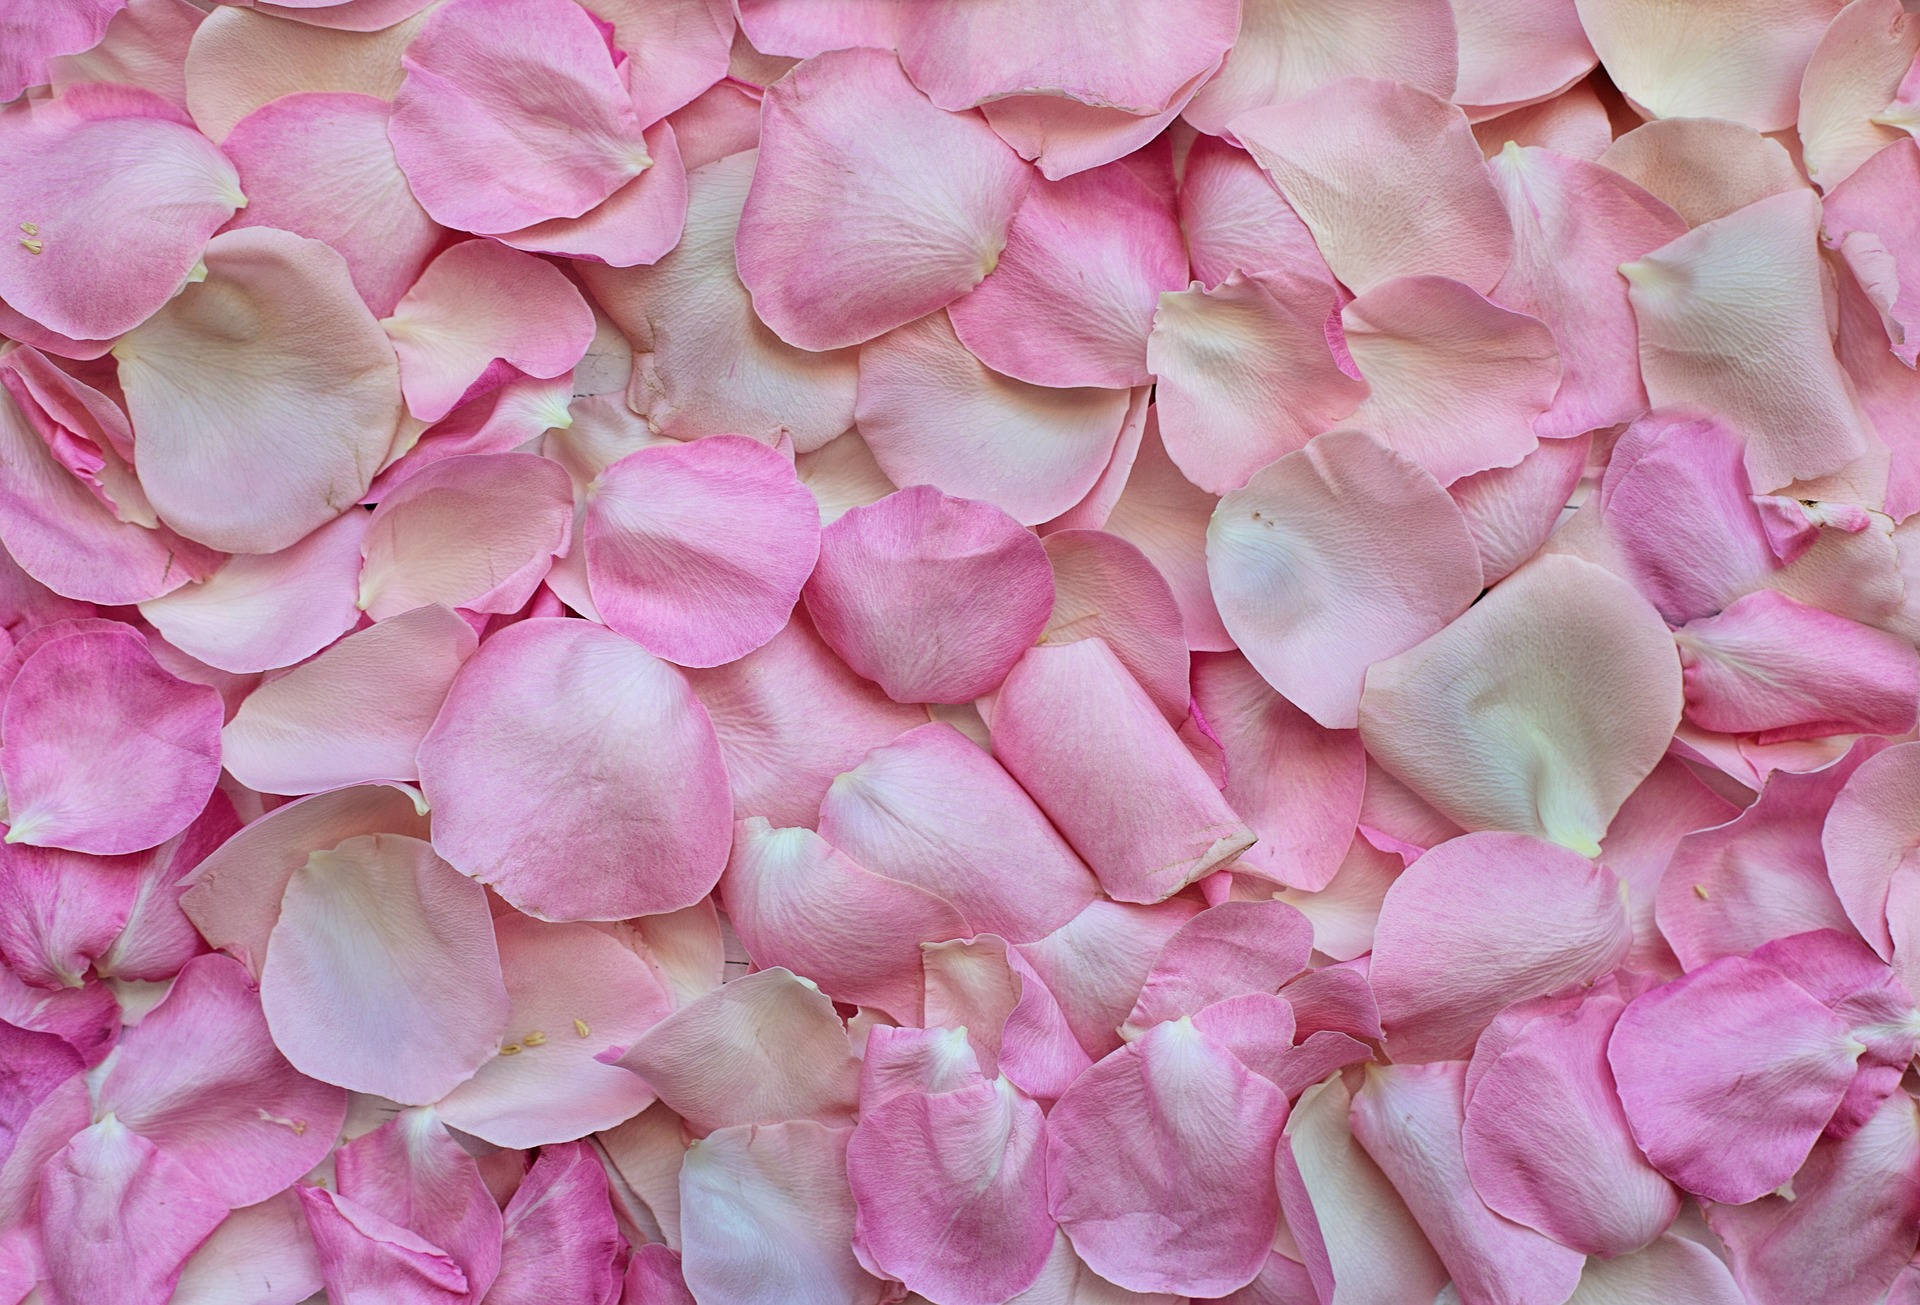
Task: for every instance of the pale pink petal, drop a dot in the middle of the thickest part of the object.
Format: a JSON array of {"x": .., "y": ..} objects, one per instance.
[
  {"x": 705, "y": 364},
  {"x": 1084, "y": 738},
  {"x": 1408, "y": 1117},
  {"x": 938, "y": 813},
  {"x": 233, "y": 895},
  {"x": 1389, "y": 179},
  {"x": 1245, "y": 374},
  {"x": 26, "y": 604},
  {"x": 870, "y": 207},
  {"x": 1235, "y": 221},
  {"x": 1346, "y": 908},
  {"x": 106, "y": 752},
  {"x": 1868, "y": 219},
  {"x": 1165, "y": 516},
  {"x": 261, "y": 611},
  {"x": 934, "y": 414},
  {"x": 798, "y": 902},
  {"x": 636, "y": 224},
  {"x": 263, "y": 398},
  {"x": 1095, "y": 963},
  {"x": 932, "y": 597},
  {"x": 1855, "y": 71},
  {"x": 260, "y": 1255},
  {"x": 119, "y": 1217},
  {"x": 1545, "y": 1139},
  {"x": 60, "y": 521},
  {"x": 477, "y": 306},
  {"x": 1258, "y": 1028},
  {"x": 412, "y": 1171},
  {"x": 347, "y": 15},
  {"x": 614, "y": 765},
  {"x": 1670, "y": 804},
  {"x": 562, "y": 1243},
  {"x": 1728, "y": 1075},
  {"x": 1510, "y": 511},
  {"x": 1480, "y": 922},
  {"x": 477, "y": 531},
  {"x": 1539, "y": 710},
  {"x": 145, "y": 45},
  {"x": 1063, "y": 137},
  {"x": 501, "y": 420},
  {"x": 769, "y": 1218},
  {"x": 950, "y": 1191},
  {"x": 964, "y": 52},
  {"x": 240, "y": 61},
  {"x": 1714, "y": 60},
  {"x": 367, "y": 1257},
  {"x": 771, "y": 710},
  {"x": 675, "y": 49},
  {"x": 1704, "y": 168},
  {"x": 1732, "y": 319},
  {"x": 36, "y": 35},
  {"x": 1355, "y": 1234},
  {"x": 1870, "y": 832},
  {"x": 1013, "y": 1021},
  {"x": 1194, "y": 1211},
  {"x": 121, "y": 199},
  {"x": 1309, "y": 587},
  {"x": 1072, "y": 296},
  {"x": 1672, "y": 1268},
  {"x": 200, "y": 1078},
  {"x": 1104, "y": 587},
  {"x": 1065, "y": 1279},
  {"x": 381, "y": 974},
  {"x": 763, "y": 1048},
  {"x": 1516, "y": 51},
  {"x": 801, "y": 28},
  {"x": 293, "y": 155},
  {"x": 1573, "y": 123},
  {"x": 1223, "y": 952},
  {"x": 663, "y": 577},
  {"x": 1287, "y": 48},
  {"x": 512, "y": 112},
  {"x": 1574, "y": 223},
  {"x": 1456, "y": 382}
]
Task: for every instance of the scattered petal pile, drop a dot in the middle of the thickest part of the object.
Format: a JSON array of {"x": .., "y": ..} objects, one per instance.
[{"x": 959, "y": 652}]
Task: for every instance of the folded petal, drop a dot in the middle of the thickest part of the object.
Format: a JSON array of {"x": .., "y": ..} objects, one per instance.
[
  {"x": 769, "y": 1219},
  {"x": 1012, "y": 1020},
  {"x": 1868, "y": 219},
  {"x": 263, "y": 398},
  {"x": 1854, "y": 72},
  {"x": 1545, "y": 1139},
  {"x": 1095, "y": 963},
  {"x": 1063, "y": 137},
  {"x": 934, "y": 414},
  {"x": 1732, "y": 319},
  {"x": 106, "y": 752},
  {"x": 201, "y": 1079},
  {"x": 366, "y": 1257},
  {"x": 1225, "y": 951},
  {"x": 1165, "y": 516},
  {"x": 1728, "y": 1075},
  {"x": 1245, "y": 374},
  {"x": 1192, "y": 1212},
  {"x": 1704, "y": 168},
  {"x": 1313, "y": 592},
  {"x": 942, "y": 815},
  {"x": 121, "y": 198},
  {"x": 1480, "y": 922},
  {"x": 1871, "y": 830},
  {"x": 637, "y": 223},
  {"x": 519, "y": 89},
  {"x": 1087, "y": 742},
  {"x": 1456, "y": 382},
  {"x": 870, "y": 206},
  {"x": 706, "y": 364},
  {"x": 382, "y": 974},
  {"x": 660, "y": 574},
  {"x": 562, "y": 1243},
  {"x": 1675, "y": 61},
  {"x": 934, "y": 598},
  {"x": 1408, "y": 1119},
  {"x": 1583, "y": 715},
  {"x": 1287, "y": 48},
  {"x": 1388, "y": 178},
  {"x": 412, "y": 1171},
  {"x": 1072, "y": 296},
  {"x": 262, "y": 611},
  {"x": 615, "y": 767},
  {"x": 290, "y": 156},
  {"x": 764, "y": 1048}
]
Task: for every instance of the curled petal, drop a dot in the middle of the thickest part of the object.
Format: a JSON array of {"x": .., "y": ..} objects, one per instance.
[
  {"x": 1867, "y": 219},
  {"x": 1854, "y": 73}
]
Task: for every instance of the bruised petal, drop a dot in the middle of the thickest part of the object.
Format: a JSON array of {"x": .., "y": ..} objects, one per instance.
[
  {"x": 933, "y": 598},
  {"x": 565, "y": 700},
  {"x": 382, "y": 974},
  {"x": 941, "y": 814},
  {"x": 106, "y": 752},
  {"x": 1482, "y": 921},
  {"x": 263, "y": 398},
  {"x": 870, "y": 206},
  {"x": 660, "y": 575}
]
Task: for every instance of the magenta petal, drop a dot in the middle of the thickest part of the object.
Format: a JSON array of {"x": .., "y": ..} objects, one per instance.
[
  {"x": 562, "y": 1243},
  {"x": 59, "y": 912},
  {"x": 366, "y": 1257},
  {"x": 412, "y": 1172},
  {"x": 1194, "y": 1211},
  {"x": 1728, "y": 1075},
  {"x": 933, "y": 598},
  {"x": 39, "y": 35},
  {"x": 106, "y": 752},
  {"x": 663, "y": 577},
  {"x": 566, "y": 699}
]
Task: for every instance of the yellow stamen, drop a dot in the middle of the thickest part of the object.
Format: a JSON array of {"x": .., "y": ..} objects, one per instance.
[
  {"x": 31, "y": 228},
  {"x": 533, "y": 1039},
  {"x": 31, "y": 245},
  {"x": 580, "y": 1027},
  {"x": 1700, "y": 891},
  {"x": 511, "y": 1049}
]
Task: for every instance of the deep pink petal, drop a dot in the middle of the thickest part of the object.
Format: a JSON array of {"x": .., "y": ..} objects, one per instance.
[
  {"x": 562, "y": 1243},
  {"x": 412, "y": 1172},
  {"x": 1095, "y": 963},
  {"x": 1223, "y": 952}
]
